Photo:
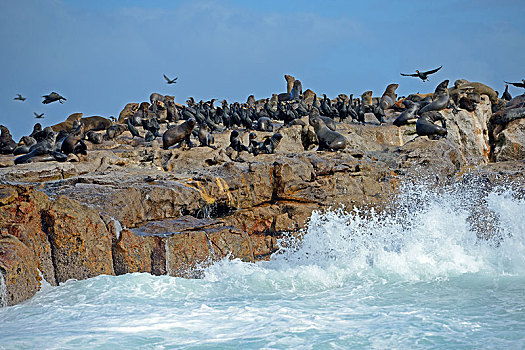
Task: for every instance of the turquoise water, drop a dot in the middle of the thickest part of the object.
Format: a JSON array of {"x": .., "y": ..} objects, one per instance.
[{"x": 415, "y": 278}]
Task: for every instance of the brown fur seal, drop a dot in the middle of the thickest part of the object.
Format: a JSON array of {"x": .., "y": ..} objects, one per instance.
[
  {"x": 178, "y": 134},
  {"x": 480, "y": 88},
  {"x": 69, "y": 143},
  {"x": 24, "y": 145},
  {"x": 389, "y": 97},
  {"x": 366, "y": 98},
  {"x": 328, "y": 139},
  {"x": 425, "y": 125},
  {"x": 128, "y": 111},
  {"x": 155, "y": 97},
  {"x": 440, "y": 100},
  {"x": 289, "y": 83},
  {"x": 96, "y": 123},
  {"x": 94, "y": 137},
  {"x": 41, "y": 148},
  {"x": 67, "y": 125},
  {"x": 205, "y": 137},
  {"x": 7, "y": 144},
  {"x": 114, "y": 131}
]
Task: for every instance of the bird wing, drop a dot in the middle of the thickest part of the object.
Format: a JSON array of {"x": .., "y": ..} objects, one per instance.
[
  {"x": 36, "y": 115},
  {"x": 433, "y": 70},
  {"x": 165, "y": 77},
  {"x": 516, "y": 84},
  {"x": 409, "y": 75}
]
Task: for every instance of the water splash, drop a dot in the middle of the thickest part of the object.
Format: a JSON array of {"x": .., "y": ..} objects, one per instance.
[
  {"x": 118, "y": 227},
  {"x": 425, "y": 234},
  {"x": 169, "y": 271},
  {"x": 3, "y": 291}
]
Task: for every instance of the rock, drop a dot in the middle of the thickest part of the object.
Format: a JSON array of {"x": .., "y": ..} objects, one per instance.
[
  {"x": 20, "y": 216},
  {"x": 133, "y": 253},
  {"x": 19, "y": 267},
  {"x": 80, "y": 242},
  {"x": 510, "y": 143}
]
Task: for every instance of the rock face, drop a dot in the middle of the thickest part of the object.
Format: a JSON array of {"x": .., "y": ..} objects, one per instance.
[{"x": 130, "y": 206}]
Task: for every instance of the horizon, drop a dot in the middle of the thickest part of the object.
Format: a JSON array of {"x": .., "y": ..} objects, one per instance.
[{"x": 102, "y": 55}]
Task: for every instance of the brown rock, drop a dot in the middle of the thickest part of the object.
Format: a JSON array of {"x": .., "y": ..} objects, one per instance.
[
  {"x": 80, "y": 242},
  {"x": 510, "y": 143},
  {"x": 19, "y": 269},
  {"x": 133, "y": 253}
]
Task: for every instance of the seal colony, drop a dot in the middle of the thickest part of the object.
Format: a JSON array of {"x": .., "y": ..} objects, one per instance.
[{"x": 175, "y": 125}]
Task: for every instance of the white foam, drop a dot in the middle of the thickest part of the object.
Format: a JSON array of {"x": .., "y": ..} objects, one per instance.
[
  {"x": 118, "y": 227},
  {"x": 3, "y": 291}
]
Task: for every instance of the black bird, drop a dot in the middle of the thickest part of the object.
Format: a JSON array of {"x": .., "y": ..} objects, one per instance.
[
  {"x": 422, "y": 75},
  {"x": 52, "y": 97},
  {"x": 521, "y": 85},
  {"x": 19, "y": 98},
  {"x": 38, "y": 115},
  {"x": 170, "y": 81},
  {"x": 506, "y": 94},
  {"x": 134, "y": 132}
]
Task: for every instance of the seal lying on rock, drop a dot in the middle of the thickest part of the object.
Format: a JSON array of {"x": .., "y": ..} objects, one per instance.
[
  {"x": 425, "y": 125},
  {"x": 409, "y": 114},
  {"x": 96, "y": 123},
  {"x": 328, "y": 139},
  {"x": 68, "y": 123},
  {"x": 24, "y": 145},
  {"x": 69, "y": 143},
  {"x": 178, "y": 134},
  {"x": 440, "y": 100},
  {"x": 39, "y": 149}
]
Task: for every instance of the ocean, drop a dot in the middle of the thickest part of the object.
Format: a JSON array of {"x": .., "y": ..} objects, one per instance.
[{"x": 439, "y": 269}]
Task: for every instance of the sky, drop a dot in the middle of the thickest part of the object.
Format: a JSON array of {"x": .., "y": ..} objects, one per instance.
[{"x": 102, "y": 54}]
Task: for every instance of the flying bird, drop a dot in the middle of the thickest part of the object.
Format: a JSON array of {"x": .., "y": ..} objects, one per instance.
[
  {"x": 52, "y": 97},
  {"x": 170, "y": 81},
  {"x": 38, "y": 115},
  {"x": 19, "y": 97},
  {"x": 422, "y": 75},
  {"x": 521, "y": 85}
]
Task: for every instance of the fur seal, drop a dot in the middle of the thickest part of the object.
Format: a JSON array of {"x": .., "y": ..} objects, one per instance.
[
  {"x": 41, "y": 148},
  {"x": 155, "y": 97},
  {"x": 480, "y": 88},
  {"x": 289, "y": 83},
  {"x": 389, "y": 97},
  {"x": 270, "y": 144},
  {"x": 114, "y": 131},
  {"x": 67, "y": 125},
  {"x": 409, "y": 114},
  {"x": 425, "y": 125},
  {"x": 440, "y": 100},
  {"x": 205, "y": 137},
  {"x": 7, "y": 144},
  {"x": 314, "y": 113},
  {"x": 128, "y": 111},
  {"x": 69, "y": 143},
  {"x": 24, "y": 145},
  {"x": 328, "y": 139},
  {"x": 236, "y": 142},
  {"x": 94, "y": 137},
  {"x": 366, "y": 98},
  {"x": 264, "y": 124},
  {"x": 172, "y": 112},
  {"x": 178, "y": 134},
  {"x": 96, "y": 123},
  {"x": 297, "y": 89}
]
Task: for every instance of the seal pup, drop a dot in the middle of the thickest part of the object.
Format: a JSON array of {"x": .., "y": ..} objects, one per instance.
[
  {"x": 269, "y": 144},
  {"x": 206, "y": 139},
  {"x": 170, "y": 81},
  {"x": 389, "y": 97},
  {"x": 425, "y": 125},
  {"x": 264, "y": 124},
  {"x": 114, "y": 131},
  {"x": 94, "y": 137},
  {"x": 52, "y": 97},
  {"x": 328, "y": 139},
  {"x": 236, "y": 142},
  {"x": 7, "y": 144},
  {"x": 19, "y": 97},
  {"x": 422, "y": 75},
  {"x": 178, "y": 134},
  {"x": 440, "y": 100}
]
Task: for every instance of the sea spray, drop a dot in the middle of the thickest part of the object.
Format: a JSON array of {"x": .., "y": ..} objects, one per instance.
[
  {"x": 118, "y": 227},
  {"x": 3, "y": 291}
]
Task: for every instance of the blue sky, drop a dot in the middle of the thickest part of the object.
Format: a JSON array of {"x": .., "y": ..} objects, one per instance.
[{"x": 101, "y": 55}]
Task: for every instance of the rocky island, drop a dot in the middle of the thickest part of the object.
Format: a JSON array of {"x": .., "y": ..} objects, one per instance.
[{"x": 122, "y": 199}]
